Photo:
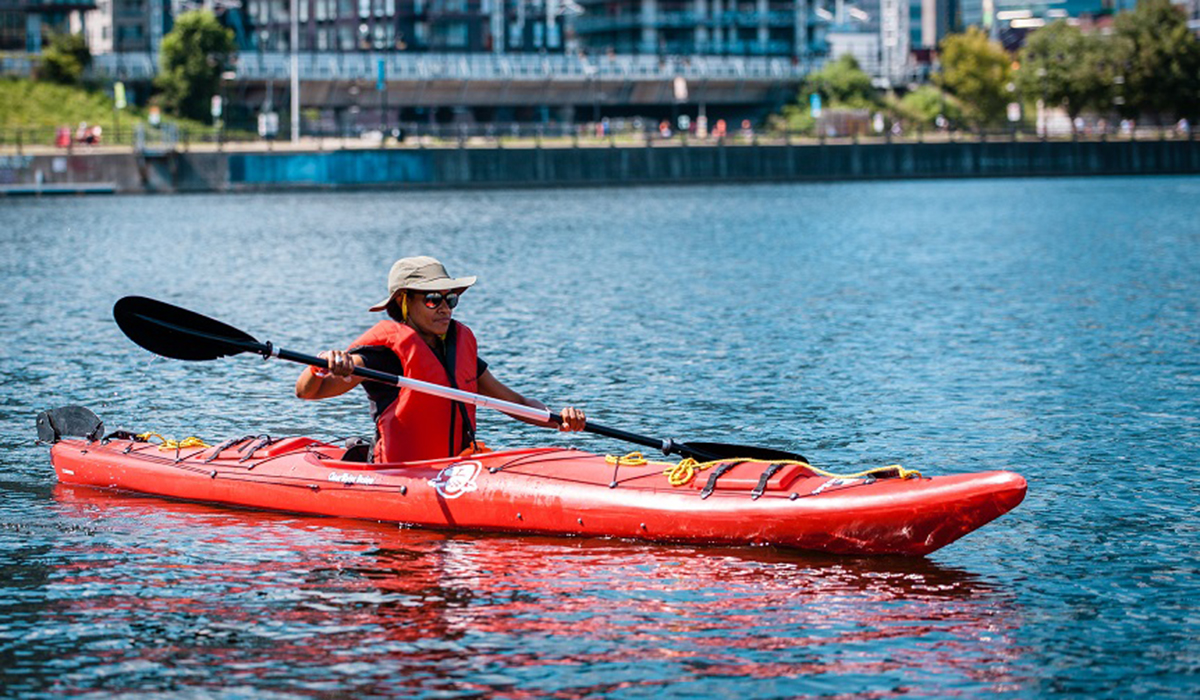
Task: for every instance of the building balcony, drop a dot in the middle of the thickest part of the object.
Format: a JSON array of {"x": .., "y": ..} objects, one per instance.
[
  {"x": 595, "y": 25},
  {"x": 55, "y": 5},
  {"x": 402, "y": 67}
]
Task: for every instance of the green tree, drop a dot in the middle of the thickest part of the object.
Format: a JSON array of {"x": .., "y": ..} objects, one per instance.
[
  {"x": 194, "y": 54},
  {"x": 1157, "y": 61},
  {"x": 922, "y": 106},
  {"x": 978, "y": 71},
  {"x": 841, "y": 83},
  {"x": 65, "y": 59},
  {"x": 1064, "y": 67}
]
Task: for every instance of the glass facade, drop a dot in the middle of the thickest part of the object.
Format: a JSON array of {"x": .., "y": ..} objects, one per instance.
[
  {"x": 1012, "y": 20},
  {"x": 372, "y": 25},
  {"x": 25, "y": 25},
  {"x": 678, "y": 27},
  {"x": 12, "y": 30},
  {"x": 728, "y": 27}
]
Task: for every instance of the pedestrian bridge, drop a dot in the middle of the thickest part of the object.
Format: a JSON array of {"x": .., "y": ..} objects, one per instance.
[{"x": 430, "y": 80}]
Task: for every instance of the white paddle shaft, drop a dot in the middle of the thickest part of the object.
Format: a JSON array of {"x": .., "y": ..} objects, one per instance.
[{"x": 540, "y": 415}]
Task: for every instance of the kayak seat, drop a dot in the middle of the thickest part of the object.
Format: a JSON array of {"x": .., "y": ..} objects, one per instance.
[{"x": 358, "y": 450}]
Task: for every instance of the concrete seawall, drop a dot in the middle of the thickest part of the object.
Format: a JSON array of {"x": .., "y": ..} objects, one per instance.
[{"x": 419, "y": 168}]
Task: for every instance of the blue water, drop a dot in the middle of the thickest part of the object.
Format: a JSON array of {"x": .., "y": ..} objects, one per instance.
[{"x": 1045, "y": 326}]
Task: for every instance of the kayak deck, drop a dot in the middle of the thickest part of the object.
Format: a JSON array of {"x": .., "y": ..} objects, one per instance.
[{"x": 561, "y": 491}]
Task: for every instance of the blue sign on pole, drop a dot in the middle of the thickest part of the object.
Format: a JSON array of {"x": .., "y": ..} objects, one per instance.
[
  {"x": 814, "y": 103},
  {"x": 381, "y": 80}
]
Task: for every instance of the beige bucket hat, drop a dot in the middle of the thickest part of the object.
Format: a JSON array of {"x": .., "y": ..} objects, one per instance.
[{"x": 421, "y": 274}]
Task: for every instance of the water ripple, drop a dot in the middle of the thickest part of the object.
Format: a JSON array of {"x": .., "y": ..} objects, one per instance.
[{"x": 1043, "y": 325}]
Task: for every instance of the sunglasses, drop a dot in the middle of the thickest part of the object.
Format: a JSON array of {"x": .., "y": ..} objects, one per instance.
[{"x": 434, "y": 299}]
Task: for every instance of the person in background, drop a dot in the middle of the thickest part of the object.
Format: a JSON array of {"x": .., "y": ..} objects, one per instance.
[{"x": 419, "y": 339}]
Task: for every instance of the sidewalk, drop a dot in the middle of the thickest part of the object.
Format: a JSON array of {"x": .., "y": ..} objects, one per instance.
[{"x": 333, "y": 143}]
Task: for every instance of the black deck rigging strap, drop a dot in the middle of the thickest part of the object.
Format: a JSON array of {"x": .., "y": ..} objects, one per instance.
[
  {"x": 769, "y": 472},
  {"x": 251, "y": 448},
  {"x": 225, "y": 446},
  {"x": 120, "y": 435},
  {"x": 720, "y": 471}
]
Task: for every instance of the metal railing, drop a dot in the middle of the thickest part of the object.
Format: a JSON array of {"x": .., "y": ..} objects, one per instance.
[
  {"x": 482, "y": 67},
  {"x": 16, "y": 64}
]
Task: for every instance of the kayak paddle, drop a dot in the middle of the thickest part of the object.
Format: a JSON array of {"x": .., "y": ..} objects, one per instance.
[{"x": 177, "y": 333}]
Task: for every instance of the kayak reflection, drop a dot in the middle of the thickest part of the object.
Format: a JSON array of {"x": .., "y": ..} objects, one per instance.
[{"x": 302, "y": 604}]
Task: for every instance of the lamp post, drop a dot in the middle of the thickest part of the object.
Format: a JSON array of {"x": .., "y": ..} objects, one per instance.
[
  {"x": 1043, "y": 117},
  {"x": 226, "y": 76},
  {"x": 1119, "y": 97},
  {"x": 294, "y": 16}
]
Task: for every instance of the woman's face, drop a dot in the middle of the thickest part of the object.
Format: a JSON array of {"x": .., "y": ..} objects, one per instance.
[{"x": 429, "y": 312}]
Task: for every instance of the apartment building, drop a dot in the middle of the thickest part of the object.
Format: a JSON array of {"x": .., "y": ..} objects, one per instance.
[
  {"x": 658, "y": 27},
  {"x": 25, "y": 25},
  {"x": 127, "y": 26},
  {"x": 454, "y": 26},
  {"x": 717, "y": 27}
]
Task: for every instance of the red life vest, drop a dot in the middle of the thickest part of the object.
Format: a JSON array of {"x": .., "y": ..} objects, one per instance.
[{"x": 416, "y": 425}]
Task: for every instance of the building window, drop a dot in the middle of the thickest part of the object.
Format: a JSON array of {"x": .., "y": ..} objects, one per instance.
[{"x": 457, "y": 35}]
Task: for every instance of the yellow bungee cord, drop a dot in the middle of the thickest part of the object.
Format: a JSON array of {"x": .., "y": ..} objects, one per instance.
[
  {"x": 167, "y": 444},
  {"x": 681, "y": 473}
]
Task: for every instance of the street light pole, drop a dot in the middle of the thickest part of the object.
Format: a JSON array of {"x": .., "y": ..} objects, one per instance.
[{"x": 295, "y": 42}]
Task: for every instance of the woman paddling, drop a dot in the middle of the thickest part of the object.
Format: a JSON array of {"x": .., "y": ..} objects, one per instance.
[{"x": 419, "y": 340}]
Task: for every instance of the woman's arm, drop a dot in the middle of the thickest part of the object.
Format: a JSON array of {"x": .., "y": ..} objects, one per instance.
[
  {"x": 310, "y": 385},
  {"x": 573, "y": 419}
]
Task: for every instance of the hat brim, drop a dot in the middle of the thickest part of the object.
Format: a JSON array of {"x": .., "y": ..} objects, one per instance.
[{"x": 443, "y": 285}]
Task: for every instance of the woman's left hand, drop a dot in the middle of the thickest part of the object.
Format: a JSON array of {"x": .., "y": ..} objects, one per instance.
[{"x": 573, "y": 420}]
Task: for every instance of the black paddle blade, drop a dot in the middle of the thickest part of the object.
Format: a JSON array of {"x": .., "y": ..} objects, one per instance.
[
  {"x": 713, "y": 451},
  {"x": 180, "y": 334}
]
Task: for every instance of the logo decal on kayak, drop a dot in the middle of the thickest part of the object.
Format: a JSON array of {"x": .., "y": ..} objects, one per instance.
[
  {"x": 457, "y": 479},
  {"x": 836, "y": 484},
  {"x": 349, "y": 479}
]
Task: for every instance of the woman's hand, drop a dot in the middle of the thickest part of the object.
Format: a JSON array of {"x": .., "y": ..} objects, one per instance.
[
  {"x": 341, "y": 363},
  {"x": 311, "y": 383},
  {"x": 573, "y": 420}
]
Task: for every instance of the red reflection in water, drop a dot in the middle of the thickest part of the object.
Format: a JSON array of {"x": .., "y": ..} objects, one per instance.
[{"x": 185, "y": 595}]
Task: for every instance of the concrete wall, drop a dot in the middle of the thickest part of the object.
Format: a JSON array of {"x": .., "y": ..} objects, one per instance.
[{"x": 504, "y": 167}]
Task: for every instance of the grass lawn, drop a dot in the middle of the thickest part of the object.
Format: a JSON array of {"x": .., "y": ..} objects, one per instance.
[{"x": 41, "y": 107}]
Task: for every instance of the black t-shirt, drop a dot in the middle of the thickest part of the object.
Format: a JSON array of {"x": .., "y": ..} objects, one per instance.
[{"x": 382, "y": 359}]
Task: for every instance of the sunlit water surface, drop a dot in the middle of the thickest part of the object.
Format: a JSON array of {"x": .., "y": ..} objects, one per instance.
[{"x": 1046, "y": 326}]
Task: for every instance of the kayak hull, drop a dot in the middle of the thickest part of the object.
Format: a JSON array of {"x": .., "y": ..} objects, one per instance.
[{"x": 563, "y": 492}]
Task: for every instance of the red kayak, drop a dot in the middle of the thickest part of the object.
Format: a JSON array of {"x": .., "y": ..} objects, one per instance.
[{"x": 559, "y": 491}]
